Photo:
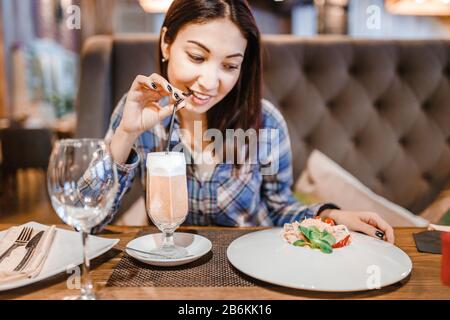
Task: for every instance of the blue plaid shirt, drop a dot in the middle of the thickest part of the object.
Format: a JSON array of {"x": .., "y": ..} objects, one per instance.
[{"x": 227, "y": 197}]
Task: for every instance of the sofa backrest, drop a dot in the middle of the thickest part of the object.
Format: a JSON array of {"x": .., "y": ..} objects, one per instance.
[{"x": 381, "y": 109}]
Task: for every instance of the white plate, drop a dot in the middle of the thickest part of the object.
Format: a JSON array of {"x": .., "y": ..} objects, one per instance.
[
  {"x": 197, "y": 246},
  {"x": 367, "y": 263},
  {"x": 65, "y": 253}
]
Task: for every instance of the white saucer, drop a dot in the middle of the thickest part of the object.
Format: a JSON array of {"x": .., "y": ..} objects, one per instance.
[{"x": 197, "y": 246}]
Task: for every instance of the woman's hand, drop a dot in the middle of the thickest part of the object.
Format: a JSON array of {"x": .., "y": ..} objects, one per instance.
[
  {"x": 369, "y": 223},
  {"x": 142, "y": 110}
]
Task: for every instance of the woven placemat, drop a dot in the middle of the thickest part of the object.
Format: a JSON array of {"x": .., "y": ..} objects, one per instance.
[{"x": 211, "y": 270}]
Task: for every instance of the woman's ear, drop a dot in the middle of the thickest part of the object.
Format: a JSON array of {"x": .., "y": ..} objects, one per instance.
[{"x": 165, "y": 47}]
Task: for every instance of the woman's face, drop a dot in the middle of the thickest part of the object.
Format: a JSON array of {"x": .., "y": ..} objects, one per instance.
[{"x": 205, "y": 58}]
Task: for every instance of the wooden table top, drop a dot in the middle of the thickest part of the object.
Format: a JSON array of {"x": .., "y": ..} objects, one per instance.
[{"x": 423, "y": 282}]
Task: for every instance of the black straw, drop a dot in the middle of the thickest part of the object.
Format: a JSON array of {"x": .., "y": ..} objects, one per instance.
[
  {"x": 173, "y": 118},
  {"x": 171, "y": 124}
]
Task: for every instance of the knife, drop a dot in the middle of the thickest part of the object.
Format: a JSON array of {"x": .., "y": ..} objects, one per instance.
[{"x": 31, "y": 245}]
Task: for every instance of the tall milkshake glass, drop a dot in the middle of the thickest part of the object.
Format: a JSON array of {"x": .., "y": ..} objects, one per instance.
[{"x": 167, "y": 198}]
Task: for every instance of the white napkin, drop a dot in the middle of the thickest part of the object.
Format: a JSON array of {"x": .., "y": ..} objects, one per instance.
[
  {"x": 34, "y": 266},
  {"x": 439, "y": 227}
]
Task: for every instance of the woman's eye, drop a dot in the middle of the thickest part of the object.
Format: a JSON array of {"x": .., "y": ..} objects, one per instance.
[
  {"x": 196, "y": 58},
  {"x": 199, "y": 59},
  {"x": 231, "y": 67}
]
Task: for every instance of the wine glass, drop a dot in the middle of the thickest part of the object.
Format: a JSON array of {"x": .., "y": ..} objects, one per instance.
[
  {"x": 82, "y": 184},
  {"x": 167, "y": 198}
]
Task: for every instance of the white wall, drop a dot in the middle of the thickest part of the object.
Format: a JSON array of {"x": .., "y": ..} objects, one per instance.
[
  {"x": 17, "y": 29},
  {"x": 129, "y": 17},
  {"x": 304, "y": 21},
  {"x": 390, "y": 26}
]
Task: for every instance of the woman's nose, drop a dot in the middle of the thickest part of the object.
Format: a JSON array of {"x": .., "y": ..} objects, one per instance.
[{"x": 209, "y": 80}]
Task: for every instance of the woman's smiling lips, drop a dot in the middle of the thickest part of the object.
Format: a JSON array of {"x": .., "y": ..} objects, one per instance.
[{"x": 200, "y": 99}]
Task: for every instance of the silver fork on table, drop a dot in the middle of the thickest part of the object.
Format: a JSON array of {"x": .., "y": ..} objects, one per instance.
[{"x": 21, "y": 240}]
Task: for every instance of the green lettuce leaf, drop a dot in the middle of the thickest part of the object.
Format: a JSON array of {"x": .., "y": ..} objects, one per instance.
[
  {"x": 322, "y": 240},
  {"x": 328, "y": 238},
  {"x": 300, "y": 243}
]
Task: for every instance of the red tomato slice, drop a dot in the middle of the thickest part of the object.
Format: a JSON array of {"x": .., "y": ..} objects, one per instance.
[
  {"x": 329, "y": 221},
  {"x": 326, "y": 220},
  {"x": 342, "y": 243}
]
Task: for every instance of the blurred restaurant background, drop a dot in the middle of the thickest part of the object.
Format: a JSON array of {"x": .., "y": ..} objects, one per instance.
[{"x": 41, "y": 43}]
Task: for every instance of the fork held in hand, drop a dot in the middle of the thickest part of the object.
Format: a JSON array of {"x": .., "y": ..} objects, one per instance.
[{"x": 21, "y": 240}]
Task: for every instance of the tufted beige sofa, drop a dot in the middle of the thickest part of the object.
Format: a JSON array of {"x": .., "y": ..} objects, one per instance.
[{"x": 381, "y": 109}]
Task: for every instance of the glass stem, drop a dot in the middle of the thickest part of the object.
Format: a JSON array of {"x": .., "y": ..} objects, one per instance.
[
  {"x": 168, "y": 240},
  {"x": 87, "y": 292}
]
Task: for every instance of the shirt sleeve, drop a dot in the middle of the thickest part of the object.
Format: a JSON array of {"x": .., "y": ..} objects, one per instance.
[
  {"x": 278, "y": 177},
  {"x": 125, "y": 172}
]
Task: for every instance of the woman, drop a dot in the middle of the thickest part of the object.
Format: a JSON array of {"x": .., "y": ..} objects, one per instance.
[{"x": 210, "y": 57}]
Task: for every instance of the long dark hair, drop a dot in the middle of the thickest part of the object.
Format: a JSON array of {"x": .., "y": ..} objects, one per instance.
[{"x": 241, "y": 108}]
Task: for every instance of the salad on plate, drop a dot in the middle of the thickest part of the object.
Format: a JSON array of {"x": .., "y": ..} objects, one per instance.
[{"x": 316, "y": 233}]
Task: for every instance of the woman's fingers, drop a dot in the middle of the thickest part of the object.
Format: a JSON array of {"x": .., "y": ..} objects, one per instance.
[
  {"x": 368, "y": 229},
  {"x": 145, "y": 82},
  {"x": 147, "y": 91},
  {"x": 157, "y": 84},
  {"x": 378, "y": 222},
  {"x": 369, "y": 223},
  {"x": 152, "y": 114},
  {"x": 373, "y": 225},
  {"x": 165, "y": 88},
  {"x": 168, "y": 110}
]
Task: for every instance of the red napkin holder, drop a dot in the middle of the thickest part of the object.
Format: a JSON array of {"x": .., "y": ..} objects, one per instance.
[{"x": 445, "y": 264}]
